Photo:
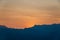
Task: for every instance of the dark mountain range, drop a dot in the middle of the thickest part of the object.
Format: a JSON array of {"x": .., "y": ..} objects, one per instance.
[{"x": 37, "y": 32}]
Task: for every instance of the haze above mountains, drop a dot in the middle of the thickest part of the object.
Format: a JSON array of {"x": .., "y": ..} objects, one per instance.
[{"x": 26, "y": 13}]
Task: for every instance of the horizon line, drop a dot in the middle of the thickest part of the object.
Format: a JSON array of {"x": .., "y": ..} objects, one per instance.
[{"x": 32, "y": 26}]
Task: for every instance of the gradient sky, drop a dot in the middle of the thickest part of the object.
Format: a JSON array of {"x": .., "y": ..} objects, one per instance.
[{"x": 26, "y": 13}]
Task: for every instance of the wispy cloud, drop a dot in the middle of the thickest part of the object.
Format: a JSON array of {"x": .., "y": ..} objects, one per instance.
[{"x": 29, "y": 12}]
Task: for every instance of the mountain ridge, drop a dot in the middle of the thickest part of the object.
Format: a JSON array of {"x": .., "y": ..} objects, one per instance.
[
  {"x": 37, "y": 32},
  {"x": 3, "y": 26}
]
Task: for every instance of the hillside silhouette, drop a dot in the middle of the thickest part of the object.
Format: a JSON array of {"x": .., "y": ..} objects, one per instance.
[{"x": 37, "y": 32}]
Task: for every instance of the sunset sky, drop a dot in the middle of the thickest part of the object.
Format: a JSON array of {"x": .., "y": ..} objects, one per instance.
[{"x": 26, "y": 13}]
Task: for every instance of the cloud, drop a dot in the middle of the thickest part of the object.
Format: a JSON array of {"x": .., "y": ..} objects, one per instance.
[{"x": 29, "y": 12}]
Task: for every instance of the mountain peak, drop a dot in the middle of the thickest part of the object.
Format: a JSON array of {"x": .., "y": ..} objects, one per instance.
[{"x": 3, "y": 26}]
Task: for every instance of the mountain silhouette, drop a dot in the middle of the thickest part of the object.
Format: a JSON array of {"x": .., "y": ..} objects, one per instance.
[{"x": 37, "y": 32}]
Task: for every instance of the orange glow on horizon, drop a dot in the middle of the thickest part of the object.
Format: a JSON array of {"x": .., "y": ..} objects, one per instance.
[{"x": 26, "y": 13}]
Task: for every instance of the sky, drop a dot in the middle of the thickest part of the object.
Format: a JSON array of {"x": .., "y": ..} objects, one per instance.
[{"x": 26, "y": 13}]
